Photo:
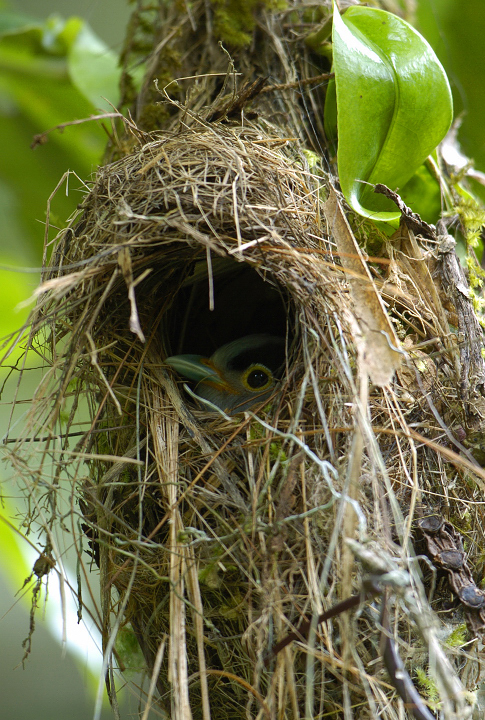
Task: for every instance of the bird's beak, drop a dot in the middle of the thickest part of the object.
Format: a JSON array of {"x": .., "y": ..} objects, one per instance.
[{"x": 195, "y": 367}]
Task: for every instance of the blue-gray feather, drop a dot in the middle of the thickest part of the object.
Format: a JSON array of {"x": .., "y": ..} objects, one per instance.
[{"x": 238, "y": 375}]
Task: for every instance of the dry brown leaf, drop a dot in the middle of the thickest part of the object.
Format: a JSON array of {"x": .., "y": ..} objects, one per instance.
[{"x": 377, "y": 344}]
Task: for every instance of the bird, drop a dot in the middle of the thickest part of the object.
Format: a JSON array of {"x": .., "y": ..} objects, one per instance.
[{"x": 238, "y": 375}]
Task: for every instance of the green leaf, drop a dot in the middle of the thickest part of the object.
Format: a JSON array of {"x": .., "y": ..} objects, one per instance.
[
  {"x": 11, "y": 21},
  {"x": 330, "y": 115},
  {"x": 91, "y": 65},
  {"x": 93, "y": 68},
  {"x": 36, "y": 94},
  {"x": 394, "y": 105},
  {"x": 423, "y": 194}
]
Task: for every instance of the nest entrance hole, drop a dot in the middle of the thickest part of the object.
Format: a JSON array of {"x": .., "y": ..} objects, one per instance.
[{"x": 232, "y": 301}]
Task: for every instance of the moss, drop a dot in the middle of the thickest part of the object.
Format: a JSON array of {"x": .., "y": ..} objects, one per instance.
[
  {"x": 210, "y": 577},
  {"x": 231, "y": 610},
  {"x": 215, "y": 574},
  {"x": 256, "y": 432},
  {"x": 312, "y": 15},
  {"x": 234, "y": 21},
  {"x": 128, "y": 650},
  {"x": 458, "y": 637},
  {"x": 129, "y": 90},
  {"x": 276, "y": 452},
  {"x": 314, "y": 160},
  {"x": 462, "y": 523},
  {"x": 370, "y": 237},
  {"x": 428, "y": 686},
  {"x": 472, "y": 216},
  {"x": 154, "y": 116}
]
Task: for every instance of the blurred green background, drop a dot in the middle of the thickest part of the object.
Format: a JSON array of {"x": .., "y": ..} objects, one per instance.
[
  {"x": 57, "y": 60},
  {"x": 45, "y": 80}
]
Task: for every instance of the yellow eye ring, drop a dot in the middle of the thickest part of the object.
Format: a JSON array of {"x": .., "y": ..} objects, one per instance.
[{"x": 257, "y": 378}]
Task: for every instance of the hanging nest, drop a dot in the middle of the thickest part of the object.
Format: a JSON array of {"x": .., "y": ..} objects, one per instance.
[
  {"x": 233, "y": 546},
  {"x": 217, "y": 536}
]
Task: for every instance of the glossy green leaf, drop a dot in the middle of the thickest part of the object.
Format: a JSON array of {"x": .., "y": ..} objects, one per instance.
[
  {"x": 330, "y": 115},
  {"x": 394, "y": 105},
  {"x": 423, "y": 194}
]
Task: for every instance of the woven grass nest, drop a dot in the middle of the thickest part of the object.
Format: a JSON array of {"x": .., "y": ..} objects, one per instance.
[{"x": 216, "y": 536}]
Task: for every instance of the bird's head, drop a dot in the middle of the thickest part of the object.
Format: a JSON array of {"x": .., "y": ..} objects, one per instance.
[{"x": 238, "y": 375}]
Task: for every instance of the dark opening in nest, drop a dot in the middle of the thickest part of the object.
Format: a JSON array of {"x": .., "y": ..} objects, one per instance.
[{"x": 211, "y": 310}]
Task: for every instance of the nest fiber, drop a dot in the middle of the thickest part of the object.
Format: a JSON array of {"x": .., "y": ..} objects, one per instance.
[{"x": 216, "y": 536}]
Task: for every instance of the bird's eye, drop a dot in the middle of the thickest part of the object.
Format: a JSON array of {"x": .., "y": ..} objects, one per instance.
[{"x": 257, "y": 377}]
